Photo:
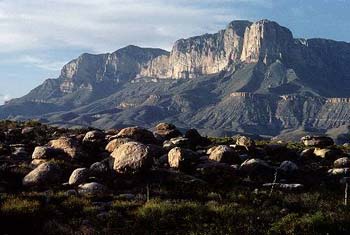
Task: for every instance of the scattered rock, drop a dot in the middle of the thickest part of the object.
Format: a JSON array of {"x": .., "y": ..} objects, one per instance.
[
  {"x": 195, "y": 138},
  {"x": 328, "y": 154},
  {"x": 317, "y": 141},
  {"x": 132, "y": 158},
  {"x": 256, "y": 167},
  {"x": 42, "y": 152},
  {"x": 288, "y": 187},
  {"x": 94, "y": 137}
]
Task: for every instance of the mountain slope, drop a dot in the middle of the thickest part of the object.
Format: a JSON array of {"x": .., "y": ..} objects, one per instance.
[{"x": 249, "y": 77}]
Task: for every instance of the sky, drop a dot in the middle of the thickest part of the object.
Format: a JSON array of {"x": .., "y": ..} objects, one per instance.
[{"x": 37, "y": 37}]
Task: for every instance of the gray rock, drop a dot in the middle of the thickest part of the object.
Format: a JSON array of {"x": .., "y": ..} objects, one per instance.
[
  {"x": 245, "y": 142},
  {"x": 138, "y": 134},
  {"x": 177, "y": 142}
]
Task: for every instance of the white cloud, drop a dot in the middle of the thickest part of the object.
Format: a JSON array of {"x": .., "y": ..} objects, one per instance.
[
  {"x": 107, "y": 25},
  {"x": 41, "y": 63}
]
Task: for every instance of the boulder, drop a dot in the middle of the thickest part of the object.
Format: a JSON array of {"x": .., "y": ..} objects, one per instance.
[
  {"x": 42, "y": 152},
  {"x": 45, "y": 174},
  {"x": 27, "y": 130},
  {"x": 245, "y": 141},
  {"x": 343, "y": 162},
  {"x": 182, "y": 159},
  {"x": 115, "y": 143},
  {"x": 132, "y": 158},
  {"x": 78, "y": 176},
  {"x": 166, "y": 131},
  {"x": 317, "y": 141},
  {"x": 99, "y": 169},
  {"x": 94, "y": 138},
  {"x": 92, "y": 189},
  {"x": 66, "y": 145},
  {"x": 255, "y": 167},
  {"x": 288, "y": 167},
  {"x": 138, "y": 134},
  {"x": 224, "y": 154}
]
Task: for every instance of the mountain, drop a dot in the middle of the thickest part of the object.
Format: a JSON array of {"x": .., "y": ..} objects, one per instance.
[{"x": 252, "y": 77}]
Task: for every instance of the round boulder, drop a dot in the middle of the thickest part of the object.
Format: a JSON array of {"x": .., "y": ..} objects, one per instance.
[
  {"x": 78, "y": 176},
  {"x": 44, "y": 175},
  {"x": 255, "y": 167},
  {"x": 288, "y": 167},
  {"x": 224, "y": 154},
  {"x": 138, "y": 134},
  {"x": 42, "y": 152},
  {"x": 132, "y": 158}
]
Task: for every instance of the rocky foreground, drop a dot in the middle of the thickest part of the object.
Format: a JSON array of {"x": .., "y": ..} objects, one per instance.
[{"x": 153, "y": 182}]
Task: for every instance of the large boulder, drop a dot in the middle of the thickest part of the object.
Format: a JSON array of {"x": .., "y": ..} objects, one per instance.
[
  {"x": 166, "y": 131},
  {"x": 317, "y": 141},
  {"x": 78, "y": 176},
  {"x": 182, "y": 159},
  {"x": 115, "y": 143},
  {"x": 215, "y": 171},
  {"x": 132, "y": 158},
  {"x": 66, "y": 145},
  {"x": 138, "y": 134},
  {"x": 245, "y": 141},
  {"x": 44, "y": 175},
  {"x": 224, "y": 154}
]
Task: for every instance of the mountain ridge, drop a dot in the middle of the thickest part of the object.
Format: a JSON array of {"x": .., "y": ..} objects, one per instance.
[{"x": 210, "y": 82}]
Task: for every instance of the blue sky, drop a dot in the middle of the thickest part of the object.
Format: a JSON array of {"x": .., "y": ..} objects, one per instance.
[{"x": 38, "y": 37}]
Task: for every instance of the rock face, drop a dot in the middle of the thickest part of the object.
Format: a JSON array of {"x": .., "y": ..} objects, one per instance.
[
  {"x": 252, "y": 77},
  {"x": 132, "y": 158}
]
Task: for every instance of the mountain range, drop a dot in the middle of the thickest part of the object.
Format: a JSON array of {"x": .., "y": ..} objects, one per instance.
[{"x": 252, "y": 77}]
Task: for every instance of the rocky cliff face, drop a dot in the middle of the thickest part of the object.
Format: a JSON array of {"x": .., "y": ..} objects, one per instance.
[{"x": 249, "y": 77}]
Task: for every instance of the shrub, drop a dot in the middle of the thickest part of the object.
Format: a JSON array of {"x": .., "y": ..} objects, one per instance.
[{"x": 16, "y": 206}]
